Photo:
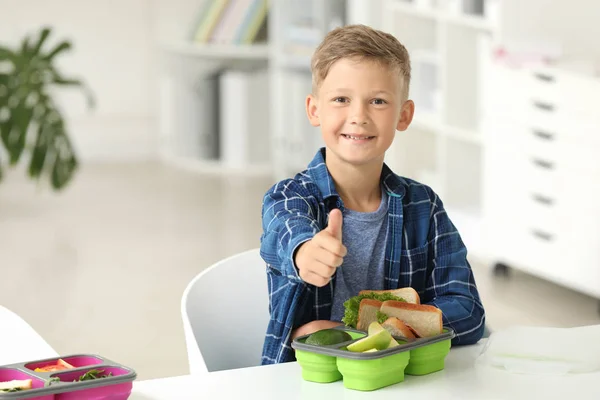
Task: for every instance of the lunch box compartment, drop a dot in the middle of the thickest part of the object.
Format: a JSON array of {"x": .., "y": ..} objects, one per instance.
[{"x": 75, "y": 361}]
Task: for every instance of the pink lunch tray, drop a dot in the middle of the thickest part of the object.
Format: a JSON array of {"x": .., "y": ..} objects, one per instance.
[{"x": 65, "y": 384}]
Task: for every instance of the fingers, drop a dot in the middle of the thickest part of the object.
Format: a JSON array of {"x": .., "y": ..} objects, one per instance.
[
  {"x": 328, "y": 258},
  {"x": 331, "y": 244},
  {"x": 334, "y": 227},
  {"x": 314, "y": 279}
]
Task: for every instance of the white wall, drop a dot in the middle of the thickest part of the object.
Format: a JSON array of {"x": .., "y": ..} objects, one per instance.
[{"x": 115, "y": 46}]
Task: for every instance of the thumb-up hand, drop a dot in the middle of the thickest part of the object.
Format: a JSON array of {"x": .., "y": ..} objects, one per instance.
[{"x": 318, "y": 258}]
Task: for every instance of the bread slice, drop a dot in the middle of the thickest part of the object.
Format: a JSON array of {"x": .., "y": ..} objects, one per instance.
[
  {"x": 367, "y": 313},
  {"x": 426, "y": 320},
  {"x": 407, "y": 293},
  {"x": 16, "y": 384},
  {"x": 398, "y": 328}
]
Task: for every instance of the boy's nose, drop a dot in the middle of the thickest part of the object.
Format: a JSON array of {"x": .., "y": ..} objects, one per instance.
[{"x": 359, "y": 116}]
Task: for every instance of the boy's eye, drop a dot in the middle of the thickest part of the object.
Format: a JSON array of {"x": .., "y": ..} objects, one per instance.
[
  {"x": 379, "y": 101},
  {"x": 340, "y": 100}
]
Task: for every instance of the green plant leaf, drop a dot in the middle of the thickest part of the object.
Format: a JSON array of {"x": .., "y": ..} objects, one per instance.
[
  {"x": 63, "y": 46},
  {"x": 5, "y": 130},
  {"x": 25, "y": 49},
  {"x": 40, "y": 151},
  {"x": 43, "y": 36},
  {"x": 65, "y": 163},
  {"x": 22, "y": 118},
  {"x": 6, "y": 54},
  {"x": 62, "y": 81}
]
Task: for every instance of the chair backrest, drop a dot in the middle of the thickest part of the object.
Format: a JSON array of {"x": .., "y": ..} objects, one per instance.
[
  {"x": 19, "y": 341},
  {"x": 225, "y": 311}
]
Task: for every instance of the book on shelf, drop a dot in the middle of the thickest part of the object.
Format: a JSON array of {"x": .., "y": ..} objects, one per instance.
[
  {"x": 243, "y": 105},
  {"x": 232, "y": 22}
]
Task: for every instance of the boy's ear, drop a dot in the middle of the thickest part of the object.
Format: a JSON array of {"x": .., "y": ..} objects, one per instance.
[
  {"x": 406, "y": 115},
  {"x": 312, "y": 111}
]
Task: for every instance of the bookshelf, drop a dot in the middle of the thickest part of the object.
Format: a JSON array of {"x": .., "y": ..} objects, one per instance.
[{"x": 227, "y": 36}]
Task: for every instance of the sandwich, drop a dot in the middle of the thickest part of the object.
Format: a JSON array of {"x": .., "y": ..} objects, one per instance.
[
  {"x": 399, "y": 311},
  {"x": 424, "y": 320},
  {"x": 368, "y": 311},
  {"x": 15, "y": 385},
  {"x": 398, "y": 328}
]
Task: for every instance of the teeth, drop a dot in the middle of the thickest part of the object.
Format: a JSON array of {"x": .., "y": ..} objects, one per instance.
[{"x": 358, "y": 137}]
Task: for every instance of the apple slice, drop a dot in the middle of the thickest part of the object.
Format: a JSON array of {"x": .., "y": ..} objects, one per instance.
[
  {"x": 378, "y": 341},
  {"x": 374, "y": 327}
]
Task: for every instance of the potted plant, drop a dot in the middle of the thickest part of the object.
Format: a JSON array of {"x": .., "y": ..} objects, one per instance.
[{"x": 31, "y": 123}]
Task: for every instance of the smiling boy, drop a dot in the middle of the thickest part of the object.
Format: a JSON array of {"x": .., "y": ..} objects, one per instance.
[{"x": 348, "y": 223}]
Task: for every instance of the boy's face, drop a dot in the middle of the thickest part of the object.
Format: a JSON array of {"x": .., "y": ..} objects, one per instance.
[{"x": 359, "y": 107}]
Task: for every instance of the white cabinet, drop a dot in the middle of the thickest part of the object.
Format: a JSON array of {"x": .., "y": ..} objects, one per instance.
[{"x": 542, "y": 173}]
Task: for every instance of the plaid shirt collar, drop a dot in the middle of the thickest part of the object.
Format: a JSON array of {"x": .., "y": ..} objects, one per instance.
[{"x": 318, "y": 173}]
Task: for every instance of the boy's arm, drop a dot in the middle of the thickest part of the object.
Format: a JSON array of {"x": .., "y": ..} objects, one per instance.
[
  {"x": 451, "y": 285},
  {"x": 289, "y": 218}
]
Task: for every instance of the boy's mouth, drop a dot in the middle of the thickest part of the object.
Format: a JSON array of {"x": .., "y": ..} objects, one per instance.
[{"x": 358, "y": 137}]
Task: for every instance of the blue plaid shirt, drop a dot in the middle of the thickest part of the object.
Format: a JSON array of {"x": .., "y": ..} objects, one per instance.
[{"x": 423, "y": 250}]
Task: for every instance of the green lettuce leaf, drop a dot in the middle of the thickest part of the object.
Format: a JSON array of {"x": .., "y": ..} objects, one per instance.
[{"x": 351, "y": 306}]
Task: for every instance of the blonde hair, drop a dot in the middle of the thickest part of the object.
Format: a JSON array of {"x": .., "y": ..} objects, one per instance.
[{"x": 363, "y": 43}]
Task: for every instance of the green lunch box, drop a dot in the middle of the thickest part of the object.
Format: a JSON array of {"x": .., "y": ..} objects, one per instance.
[{"x": 371, "y": 370}]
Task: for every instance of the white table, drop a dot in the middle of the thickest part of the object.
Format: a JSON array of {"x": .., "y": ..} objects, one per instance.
[{"x": 459, "y": 380}]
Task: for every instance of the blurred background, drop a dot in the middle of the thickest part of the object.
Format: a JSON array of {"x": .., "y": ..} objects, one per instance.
[{"x": 117, "y": 191}]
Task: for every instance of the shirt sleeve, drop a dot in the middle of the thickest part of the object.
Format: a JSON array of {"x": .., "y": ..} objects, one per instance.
[
  {"x": 290, "y": 217},
  {"x": 451, "y": 284}
]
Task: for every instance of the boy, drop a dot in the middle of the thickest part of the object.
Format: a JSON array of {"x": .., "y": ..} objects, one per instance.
[{"x": 348, "y": 223}]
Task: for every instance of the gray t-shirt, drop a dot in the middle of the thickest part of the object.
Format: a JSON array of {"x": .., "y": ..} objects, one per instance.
[{"x": 363, "y": 234}]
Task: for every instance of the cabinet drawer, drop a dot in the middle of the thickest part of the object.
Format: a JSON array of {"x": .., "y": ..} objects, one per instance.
[
  {"x": 515, "y": 92},
  {"x": 579, "y": 95},
  {"x": 532, "y": 250}
]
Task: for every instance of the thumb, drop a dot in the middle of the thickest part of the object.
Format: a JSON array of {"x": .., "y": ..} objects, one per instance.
[{"x": 334, "y": 227}]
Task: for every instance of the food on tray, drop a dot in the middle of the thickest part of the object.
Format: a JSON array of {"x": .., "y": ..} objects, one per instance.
[
  {"x": 398, "y": 328},
  {"x": 402, "y": 318},
  {"x": 378, "y": 339},
  {"x": 351, "y": 306},
  {"x": 93, "y": 374},
  {"x": 424, "y": 320},
  {"x": 52, "y": 381},
  {"x": 59, "y": 366},
  {"x": 327, "y": 337},
  {"x": 15, "y": 385}
]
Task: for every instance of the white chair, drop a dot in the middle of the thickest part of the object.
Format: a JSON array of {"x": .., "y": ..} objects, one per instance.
[
  {"x": 19, "y": 341},
  {"x": 225, "y": 312}
]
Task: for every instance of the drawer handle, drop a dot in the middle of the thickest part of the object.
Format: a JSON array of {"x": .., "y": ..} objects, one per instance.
[
  {"x": 543, "y": 135},
  {"x": 544, "y": 106},
  {"x": 544, "y": 77},
  {"x": 543, "y": 199},
  {"x": 542, "y": 235},
  {"x": 543, "y": 164}
]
